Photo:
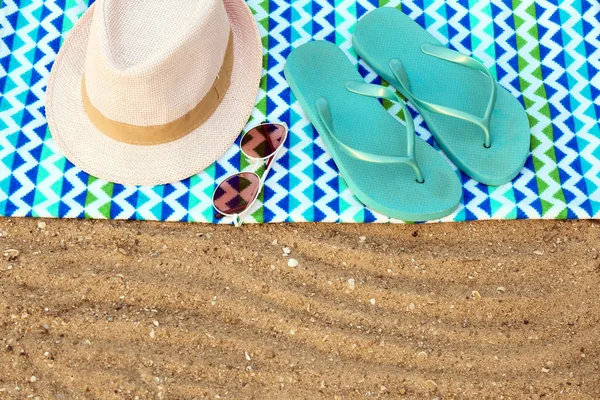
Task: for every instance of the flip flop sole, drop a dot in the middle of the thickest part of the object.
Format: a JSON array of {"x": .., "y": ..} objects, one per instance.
[
  {"x": 386, "y": 34},
  {"x": 321, "y": 70}
]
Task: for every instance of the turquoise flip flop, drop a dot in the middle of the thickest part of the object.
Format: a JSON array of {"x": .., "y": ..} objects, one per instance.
[
  {"x": 480, "y": 126},
  {"x": 385, "y": 165}
]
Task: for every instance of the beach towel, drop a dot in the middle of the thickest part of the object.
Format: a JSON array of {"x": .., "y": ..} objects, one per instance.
[{"x": 546, "y": 53}]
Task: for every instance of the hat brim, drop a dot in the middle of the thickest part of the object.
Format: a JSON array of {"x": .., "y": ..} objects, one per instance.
[{"x": 108, "y": 159}]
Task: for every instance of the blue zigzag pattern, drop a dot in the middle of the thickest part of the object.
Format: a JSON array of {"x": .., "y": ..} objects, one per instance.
[{"x": 557, "y": 69}]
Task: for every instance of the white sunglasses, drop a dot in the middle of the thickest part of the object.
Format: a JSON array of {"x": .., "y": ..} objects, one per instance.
[{"x": 235, "y": 196}]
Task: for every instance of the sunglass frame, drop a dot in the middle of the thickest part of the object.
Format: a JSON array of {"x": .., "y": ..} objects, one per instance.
[{"x": 238, "y": 218}]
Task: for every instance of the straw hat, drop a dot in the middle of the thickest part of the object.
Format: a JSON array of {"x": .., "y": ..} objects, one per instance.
[{"x": 153, "y": 91}]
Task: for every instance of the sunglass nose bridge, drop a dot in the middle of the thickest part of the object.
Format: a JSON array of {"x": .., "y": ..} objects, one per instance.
[{"x": 255, "y": 164}]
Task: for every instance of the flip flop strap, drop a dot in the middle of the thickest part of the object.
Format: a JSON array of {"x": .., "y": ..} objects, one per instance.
[
  {"x": 324, "y": 112},
  {"x": 447, "y": 54}
]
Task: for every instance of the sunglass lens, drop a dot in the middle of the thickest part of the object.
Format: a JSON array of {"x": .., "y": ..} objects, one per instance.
[
  {"x": 236, "y": 193},
  {"x": 263, "y": 140}
]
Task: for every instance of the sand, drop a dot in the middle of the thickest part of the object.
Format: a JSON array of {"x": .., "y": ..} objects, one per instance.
[{"x": 121, "y": 310}]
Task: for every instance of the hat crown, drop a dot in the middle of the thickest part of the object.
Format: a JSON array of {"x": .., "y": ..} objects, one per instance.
[{"x": 149, "y": 62}]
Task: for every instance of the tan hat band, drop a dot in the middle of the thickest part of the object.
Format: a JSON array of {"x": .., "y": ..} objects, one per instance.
[{"x": 160, "y": 134}]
